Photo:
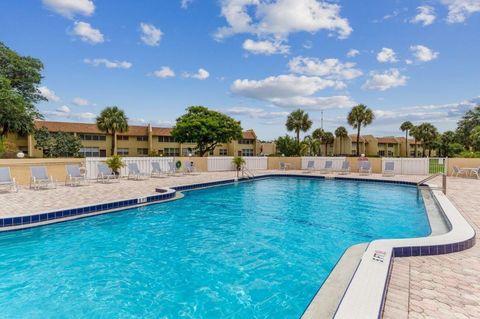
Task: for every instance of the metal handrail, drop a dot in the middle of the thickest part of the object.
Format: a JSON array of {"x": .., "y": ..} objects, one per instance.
[
  {"x": 444, "y": 181},
  {"x": 248, "y": 172}
]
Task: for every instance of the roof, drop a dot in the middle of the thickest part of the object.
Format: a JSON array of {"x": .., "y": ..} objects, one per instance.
[
  {"x": 388, "y": 140},
  {"x": 133, "y": 130},
  {"x": 354, "y": 138}
]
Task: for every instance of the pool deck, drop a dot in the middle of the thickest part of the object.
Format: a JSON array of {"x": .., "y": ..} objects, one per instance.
[{"x": 443, "y": 286}]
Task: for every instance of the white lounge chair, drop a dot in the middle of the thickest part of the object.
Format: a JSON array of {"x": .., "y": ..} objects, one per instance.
[
  {"x": 105, "y": 174},
  {"x": 157, "y": 170},
  {"x": 189, "y": 168},
  {"x": 345, "y": 169},
  {"x": 6, "y": 179},
  {"x": 172, "y": 168},
  {"x": 40, "y": 179},
  {"x": 283, "y": 166},
  {"x": 310, "y": 167},
  {"x": 457, "y": 171},
  {"x": 75, "y": 176},
  {"x": 364, "y": 168},
  {"x": 328, "y": 167},
  {"x": 476, "y": 172},
  {"x": 135, "y": 173},
  {"x": 389, "y": 169}
]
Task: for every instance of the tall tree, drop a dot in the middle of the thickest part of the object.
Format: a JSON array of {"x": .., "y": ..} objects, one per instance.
[
  {"x": 298, "y": 121},
  {"x": 428, "y": 134},
  {"x": 59, "y": 144},
  {"x": 206, "y": 128},
  {"x": 469, "y": 121},
  {"x": 328, "y": 139},
  {"x": 446, "y": 140},
  {"x": 287, "y": 146},
  {"x": 341, "y": 133},
  {"x": 318, "y": 135},
  {"x": 406, "y": 127},
  {"x": 475, "y": 138},
  {"x": 112, "y": 120},
  {"x": 417, "y": 137},
  {"x": 20, "y": 77},
  {"x": 359, "y": 116},
  {"x": 309, "y": 146}
]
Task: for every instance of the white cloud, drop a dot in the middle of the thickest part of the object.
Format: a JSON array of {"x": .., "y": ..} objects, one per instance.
[
  {"x": 280, "y": 18},
  {"x": 384, "y": 81},
  {"x": 70, "y": 8},
  {"x": 109, "y": 64},
  {"x": 331, "y": 69},
  {"x": 265, "y": 47},
  {"x": 164, "y": 72},
  {"x": 80, "y": 101},
  {"x": 66, "y": 113},
  {"x": 150, "y": 34},
  {"x": 290, "y": 91},
  {"x": 254, "y": 113},
  {"x": 63, "y": 109},
  {"x": 460, "y": 10},
  {"x": 408, "y": 61},
  {"x": 387, "y": 55},
  {"x": 353, "y": 53},
  {"x": 48, "y": 94},
  {"x": 425, "y": 16},
  {"x": 423, "y": 54},
  {"x": 201, "y": 74},
  {"x": 87, "y": 33},
  {"x": 185, "y": 3}
]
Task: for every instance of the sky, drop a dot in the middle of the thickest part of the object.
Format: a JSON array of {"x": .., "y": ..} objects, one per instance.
[{"x": 255, "y": 60}]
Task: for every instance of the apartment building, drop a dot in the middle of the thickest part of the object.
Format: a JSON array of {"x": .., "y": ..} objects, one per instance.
[{"x": 137, "y": 141}]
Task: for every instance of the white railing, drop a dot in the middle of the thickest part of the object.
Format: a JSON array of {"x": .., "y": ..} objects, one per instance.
[
  {"x": 413, "y": 166},
  {"x": 144, "y": 164},
  {"x": 224, "y": 163},
  {"x": 320, "y": 161}
]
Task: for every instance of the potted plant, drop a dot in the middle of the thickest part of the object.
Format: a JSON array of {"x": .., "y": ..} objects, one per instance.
[
  {"x": 115, "y": 163},
  {"x": 238, "y": 162}
]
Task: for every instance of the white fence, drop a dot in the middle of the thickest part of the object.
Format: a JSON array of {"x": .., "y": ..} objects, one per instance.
[
  {"x": 224, "y": 163},
  {"x": 320, "y": 161},
  {"x": 416, "y": 166},
  {"x": 144, "y": 164}
]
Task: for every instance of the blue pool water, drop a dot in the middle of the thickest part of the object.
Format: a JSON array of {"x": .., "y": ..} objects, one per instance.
[{"x": 251, "y": 250}]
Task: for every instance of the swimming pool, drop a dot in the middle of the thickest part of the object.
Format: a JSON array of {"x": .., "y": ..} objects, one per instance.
[{"x": 257, "y": 249}]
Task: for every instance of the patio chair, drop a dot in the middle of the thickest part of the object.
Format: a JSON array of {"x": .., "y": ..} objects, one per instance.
[
  {"x": 6, "y": 179},
  {"x": 345, "y": 169},
  {"x": 476, "y": 172},
  {"x": 157, "y": 170},
  {"x": 105, "y": 174},
  {"x": 172, "y": 169},
  {"x": 364, "y": 168},
  {"x": 310, "y": 167},
  {"x": 40, "y": 179},
  {"x": 389, "y": 169},
  {"x": 328, "y": 167},
  {"x": 135, "y": 173},
  {"x": 74, "y": 176},
  {"x": 459, "y": 171},
  {"x": 283, "y": 166},
  {"x": 189, "y": 168}
]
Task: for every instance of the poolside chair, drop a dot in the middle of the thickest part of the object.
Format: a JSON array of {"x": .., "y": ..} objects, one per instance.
[
  {"x": 74, "y": 176},
  {"x": 39, "y": 178},
  {"x": 188, "y": 168},
  {"x": 310, "y": 167},
  {"x": 135, "y": 173},
  {"x": 364, "y": 168},
  {"x": 157, "y": 170},
  {"x": 345, "y": 169},
  {"x": 105, "y": 174},
  {"x": 476, "y": 172},
  {"x": 459, "y": 171},
  {"x": 172, "y": 169},
  {"x": 283, "y": 166},
  {"x": 328, "y": 167},
  {"x": 6, "y": 179},
  {"x": 389, "y": 169}
]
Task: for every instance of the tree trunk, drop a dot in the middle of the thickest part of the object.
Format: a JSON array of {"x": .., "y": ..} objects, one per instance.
[
  {"x": 415, "y": 155},
  {"x": 406, "y": 143},
  {"x": 423, "y": 149},
  {"x": 341, "y": 142},
  {"x": 113, "y": 143},
  {"x": 429, "y": 152},
  {"x": 358, "y": 140},
  {"x": 298, "y": 136},
  {"x": 326, "y": 152}
]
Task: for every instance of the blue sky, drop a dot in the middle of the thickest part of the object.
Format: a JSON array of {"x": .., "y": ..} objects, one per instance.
[{"x": 255, "y": 60}]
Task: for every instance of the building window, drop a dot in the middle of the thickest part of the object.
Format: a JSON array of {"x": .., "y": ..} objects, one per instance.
[
  {"x": 170, "y": 151},
  {"x": 381, "y": 145},
  {"x": 142, "y": 151},
  {"x": 89, "y": 152},
  {"x": 166, "y": 139},
  {"x": 223, "y": 152},
  {"x": 390, "y": 144},
  {"x": 187, "y": 151},
  {"x": 244, "y": 141},
  {"x": 381, "y": 153},
  {"x": 142, "y": 138},
  {"x": 92, "y": 137},
  {"x": 247, "y": 152},
  {"x": 390, "y": 153},
  {"x": 122, "y": 138},
  {"x": 122, "y": 151}
]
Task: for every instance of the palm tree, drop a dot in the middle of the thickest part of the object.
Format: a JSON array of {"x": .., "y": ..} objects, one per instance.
[
  {"x": 318, "y": 135},
  {"x": 341, "y": 133},
  {"x": 416, "y": 135},
  {"x": 428, "y": 134},
  {"x": 359, "y": 116},
  {"x": 309, "y": 146},
  {"x": 405, "y": 127},
  {"x": 328, "y": 139},
  {"x": 112, "y": 120},
  {"x": 298, "y": 121}
]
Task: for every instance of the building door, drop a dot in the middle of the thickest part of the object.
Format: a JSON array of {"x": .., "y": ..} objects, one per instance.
[
  {"x": 103, "y": 153},
  {"x": 239, "y": 153}
]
